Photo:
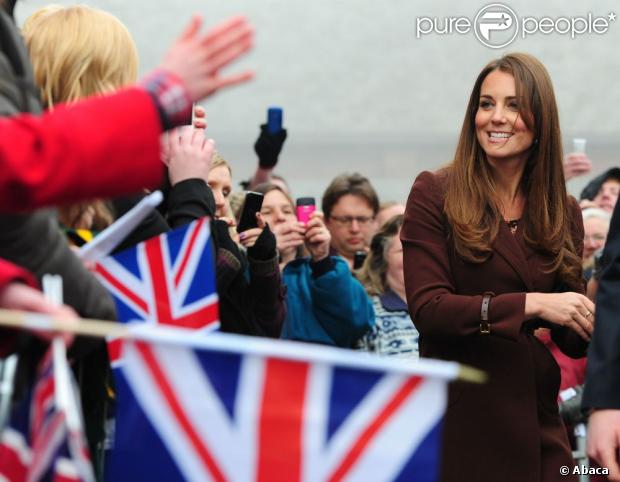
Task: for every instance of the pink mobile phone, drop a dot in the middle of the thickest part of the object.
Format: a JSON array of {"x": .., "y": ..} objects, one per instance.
[{"x": 305, "y": 207}]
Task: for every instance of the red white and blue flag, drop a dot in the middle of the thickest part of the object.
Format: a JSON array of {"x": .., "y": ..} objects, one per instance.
[
  {"x": 167, "y": 280},
  {"x": 44, "y": 441},
  {"x": 232, "y": 408}
]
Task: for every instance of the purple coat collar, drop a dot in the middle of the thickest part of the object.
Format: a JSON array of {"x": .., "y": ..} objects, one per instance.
[{"x": 392, "y": 302}]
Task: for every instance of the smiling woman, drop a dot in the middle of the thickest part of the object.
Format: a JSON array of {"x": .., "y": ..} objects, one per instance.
[
  {"x": 500, "y": 129},
  {"x": 491, "y": 248}
]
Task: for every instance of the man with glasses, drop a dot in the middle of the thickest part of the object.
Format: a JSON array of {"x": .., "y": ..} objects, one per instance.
[{"x": 350, "y": 205}]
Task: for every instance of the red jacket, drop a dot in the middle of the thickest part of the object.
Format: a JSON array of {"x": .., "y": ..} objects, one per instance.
[
  {"x": 102, "y": 147},
  {"x": 9, "y": 272}
]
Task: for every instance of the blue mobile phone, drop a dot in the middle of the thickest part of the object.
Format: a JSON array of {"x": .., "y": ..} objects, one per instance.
[{"x": 274, "y": 120}]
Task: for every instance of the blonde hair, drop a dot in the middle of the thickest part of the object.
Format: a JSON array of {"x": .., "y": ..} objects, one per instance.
[
  {"x": 218, "y": 161},
  {"x": 373, "y": 273},
  {"x": 78, "y": 51}
]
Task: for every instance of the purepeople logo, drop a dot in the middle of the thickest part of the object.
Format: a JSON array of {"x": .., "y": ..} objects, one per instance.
[{"x": 497, "y": 25}]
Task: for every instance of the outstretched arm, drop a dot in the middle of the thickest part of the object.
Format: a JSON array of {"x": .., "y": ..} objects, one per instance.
[{"x": 60, "y": 157}]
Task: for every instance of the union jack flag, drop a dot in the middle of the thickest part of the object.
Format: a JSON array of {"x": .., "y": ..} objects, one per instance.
[
  {"x": 231, "y": 408},
  {"x": 167, "y": 280},
  {"x": 40, "y": 444}
]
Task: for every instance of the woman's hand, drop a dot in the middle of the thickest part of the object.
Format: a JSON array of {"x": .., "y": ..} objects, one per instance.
[
  {"x": 200, "y": 117},
  {"x": 18, "y": 296},
  {"x": 248, "y": 237},
  {"x": 188, "y": 154},
  {"x": 289, "y": 235},
  {"x": 317, "y": 237},
  {"x": 569, "y": 309},
  {"x": 197, "y": 58},
  {"x": 576, "y": 164}
]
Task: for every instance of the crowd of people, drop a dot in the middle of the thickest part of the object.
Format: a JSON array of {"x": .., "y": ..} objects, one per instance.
[{"x": 484, "y": 265}]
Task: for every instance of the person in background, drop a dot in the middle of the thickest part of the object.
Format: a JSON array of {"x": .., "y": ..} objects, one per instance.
[
  {"x": 387, "y": 210},
  {"x": 189, "y": 70},
  {"x": 596, "y": 226},
  {"x": 78, "y": 52},
  {"x": 282, "y": 182},
  {"x": 325, "y": 303},
  {"x": 248, "y": 282},
  {"x": 601, "y": 397},
  {"x": 492, "y": 248},
  {"x": 43, "y": 168},
  {"x": 32, "y": 147},
  {"x": 220, "y": 182},
  {"x": 602, "y": 191},
  {"x": 197, "y": 177},
  {"x": 576, "y": 164},
  {"x": 279, "y": 211},
  {"x": 267, "y": 147},
  {"x": 382, "y": 275},
  {"x": 350, "y": 205},
  {"x": 66, "y": 136}
]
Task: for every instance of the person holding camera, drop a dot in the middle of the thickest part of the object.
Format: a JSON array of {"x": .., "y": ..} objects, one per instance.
[{"x": 325, "y": 303}]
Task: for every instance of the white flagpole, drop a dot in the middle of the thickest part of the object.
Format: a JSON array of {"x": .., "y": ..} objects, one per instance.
[
  {"x": 52, "y": 288},
  {"x": 226, "y": 342},
  {"x": 105, "y": 242},
  {"x": 65, "y": 395}
]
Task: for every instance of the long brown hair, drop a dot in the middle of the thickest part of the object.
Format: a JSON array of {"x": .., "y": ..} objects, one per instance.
[{"x": 471, "y": 202}]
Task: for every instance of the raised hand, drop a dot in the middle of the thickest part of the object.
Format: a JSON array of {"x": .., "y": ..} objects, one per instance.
[
  {"x": 576, "y": 164},
  {"x": 317, "y": 237},
  {"x": 289, "y": 235},
  {"x": 200, "y": 117},
  {"x": 248, "y": 237},
  {"x": 188, "y": 154},
  {"x": 197, "y": 58}
]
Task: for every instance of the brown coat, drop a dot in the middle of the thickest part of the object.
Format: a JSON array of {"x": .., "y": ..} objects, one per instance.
[{"x": 508, "y": 429}]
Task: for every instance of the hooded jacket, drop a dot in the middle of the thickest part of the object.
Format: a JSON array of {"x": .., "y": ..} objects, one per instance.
[{"x": 594, "y": 186}]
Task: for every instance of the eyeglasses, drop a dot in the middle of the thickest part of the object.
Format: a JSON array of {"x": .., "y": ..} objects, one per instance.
[{"x": 348, "y": 220}]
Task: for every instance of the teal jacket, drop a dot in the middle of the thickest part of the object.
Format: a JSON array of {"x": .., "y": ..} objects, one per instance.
[{"x": 325, "y": 303}]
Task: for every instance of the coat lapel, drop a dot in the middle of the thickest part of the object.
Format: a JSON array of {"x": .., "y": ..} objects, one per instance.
[{"x": 507, "y": 246}]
